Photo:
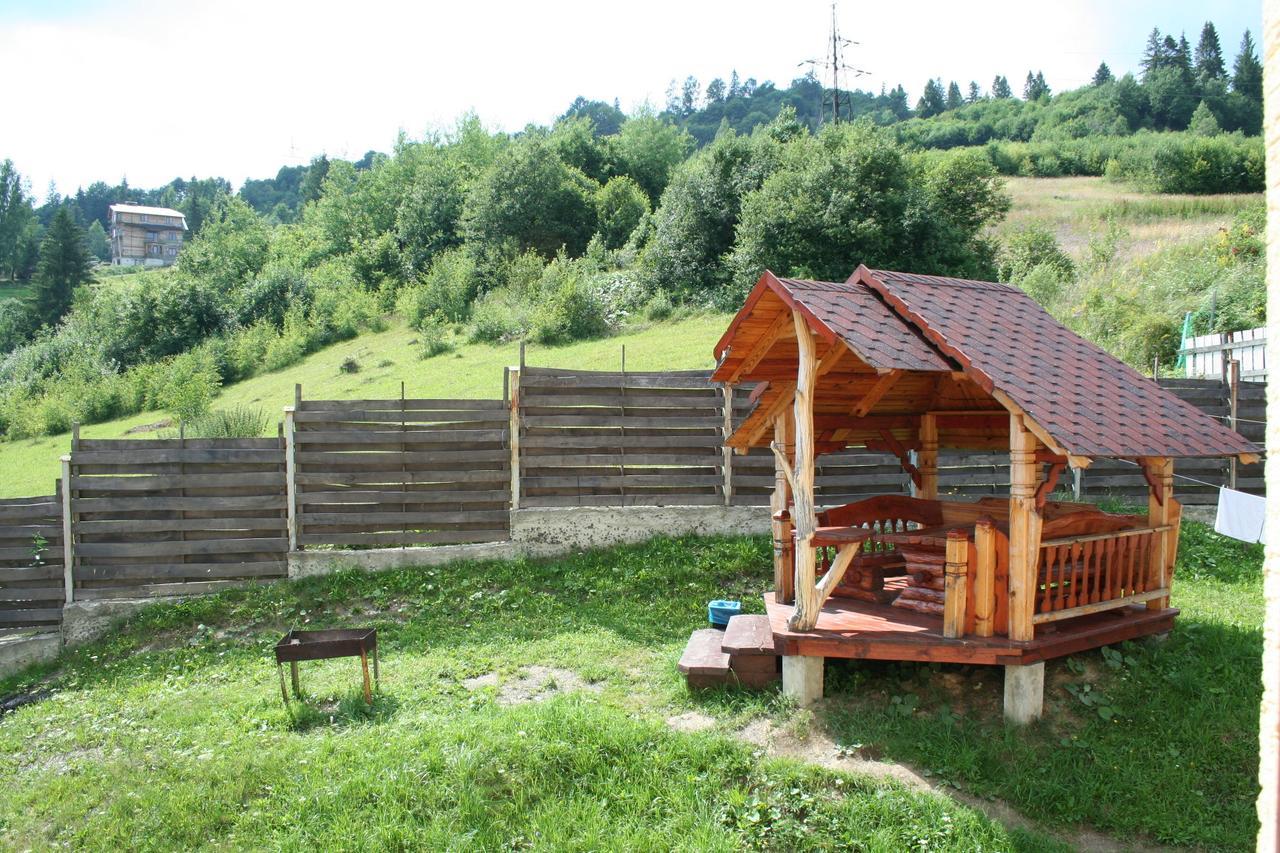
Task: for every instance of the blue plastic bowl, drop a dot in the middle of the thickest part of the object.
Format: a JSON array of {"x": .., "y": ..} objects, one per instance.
[{"x": 719, "y": 612}]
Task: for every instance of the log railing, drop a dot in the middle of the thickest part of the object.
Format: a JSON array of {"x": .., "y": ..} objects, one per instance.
[{"x": 1099, "y": 571}]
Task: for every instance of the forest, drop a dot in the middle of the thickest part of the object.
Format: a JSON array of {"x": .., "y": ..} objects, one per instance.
[{"x": 563, "y": 232}]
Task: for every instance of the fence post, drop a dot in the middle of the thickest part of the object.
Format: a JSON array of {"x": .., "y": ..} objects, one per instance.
[
  {"x": 291, "y": 477},
  {"x": 1233, "y": 397},
  {"x": 513, "y": 431},
  {"x": 68, "y": 548},
  {"x": 728, "y": 451}
]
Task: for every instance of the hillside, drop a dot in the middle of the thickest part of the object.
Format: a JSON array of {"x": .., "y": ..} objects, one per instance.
[
  {"x": 385, "y": 359},
  {"x": 1155, "y": 242}
]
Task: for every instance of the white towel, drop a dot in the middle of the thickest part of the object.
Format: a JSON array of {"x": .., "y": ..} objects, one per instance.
[{"x": 1240, "y": 515}]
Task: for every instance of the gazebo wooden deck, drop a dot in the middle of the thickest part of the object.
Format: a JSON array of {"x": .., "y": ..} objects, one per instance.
[{"x": 912, "y": 365}]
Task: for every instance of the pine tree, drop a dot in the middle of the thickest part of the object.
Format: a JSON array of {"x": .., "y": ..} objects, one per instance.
[
  {"x": 735, "y": 87},
  {"x": 63, "y": 266},
  {"x": 1000, "y": 88},
  {"x": 1182, "y": 54},
  {"x": 898, "y": 104},
  {"x": 1247, "y": 76},
  {"x": 1153, "y": 58},
  {"x": 1209, "y": 63},
  {"x": 954, "y": 99},
  {"x": 1103, "y": 75},
  {"x": 932, "y": 101},
  {"x": 975, "y": 94},
  {"x": 1035, "y": 88},
  {"x": 1204, "y": 122}
]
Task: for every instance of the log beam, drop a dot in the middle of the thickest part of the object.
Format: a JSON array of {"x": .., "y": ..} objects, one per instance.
[
  {"x": 877, "y": 391},
  {"x": 804, "y": 515},
  {"x": 1160, "y": 513},
  {"x": 927, "y": 457},
  {"x": 1024, "y": 528}
]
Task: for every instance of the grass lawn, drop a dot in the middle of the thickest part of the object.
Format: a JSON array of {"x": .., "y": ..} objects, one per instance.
[
  {"x": 14, "y": 290},
  {"x": 524, "y": 705},
  {"x": 30, "y": 466}
]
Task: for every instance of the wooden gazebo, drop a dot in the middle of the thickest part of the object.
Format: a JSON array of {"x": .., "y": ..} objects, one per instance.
[{"x": 914, "y": 364}]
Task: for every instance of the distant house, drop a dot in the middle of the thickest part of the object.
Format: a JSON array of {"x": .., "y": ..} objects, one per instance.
[{"x": 145, "y": 236}]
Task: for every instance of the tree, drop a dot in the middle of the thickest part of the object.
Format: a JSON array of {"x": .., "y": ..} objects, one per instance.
[
  {"x": 17, "y": 222},
  {"x": 530, "y": 199},
  {"x": 932, "y": 101},
  {"x": 1247, "y": 76},
  {"x": 735, "y": 87},
  {"x": 97, "y": 242},
  {"x": 1000, "y": 89},
  {"x": 606, "y": 119},
  {"x": 898, "y": 103},
  {"x": 63, "y": 266},
  {"x": 975, "y": 94},
  {"x": 648, "y": 149},
  {"x": 954, "y": 99},
  {"x": 1204, "y": 122},
  {"x": 851, "y": 196},
  {"x": 1209, "y": 63},
  {"x": 313, "y": 182},
  {"x": 620, "y": 206},
  {"x": 1154, "y": 57},
  {"x": 1103, "y": 75},
  {"x": 1035, "y": 88},
  {"x": 689, "y": 95},
  {"x": 1180, "y": 54},
  {"x": 715, "y": 91}
]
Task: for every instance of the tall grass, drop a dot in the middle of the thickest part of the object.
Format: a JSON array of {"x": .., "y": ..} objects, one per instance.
[{"x": 235, "y": 422}]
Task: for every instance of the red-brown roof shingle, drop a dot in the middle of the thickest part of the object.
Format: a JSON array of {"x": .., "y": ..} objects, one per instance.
[{"x": 1090, "y": 402}]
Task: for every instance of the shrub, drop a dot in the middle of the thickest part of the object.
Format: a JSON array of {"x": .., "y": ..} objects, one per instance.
[
  {"x": 1030, "y": 247},
  {"x": 499, "y": 316},
  {"x": 447, "y": 289},
  {"x": 435, "y": 336},
  {"x": 236, "y": 422},
  {"x": 189, "y": 384},
  {"x": 349, "y": 365},
  {"x": 659, "y": 306},
  {"x": 569, "y": 310}
]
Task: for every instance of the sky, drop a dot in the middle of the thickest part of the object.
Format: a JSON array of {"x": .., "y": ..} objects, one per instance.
[{"x": 150, "y": 91}]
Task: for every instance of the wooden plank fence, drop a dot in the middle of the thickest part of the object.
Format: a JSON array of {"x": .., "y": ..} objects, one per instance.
[
  {"x": 183, "y": 516},
  {"x": 175, "y": 516},
  {"x": 399, "y": 472},
  {"x": 31, "y": 581}
]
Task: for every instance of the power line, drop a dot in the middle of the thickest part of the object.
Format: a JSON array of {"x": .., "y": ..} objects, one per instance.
[{"x": 834, "y": 63}]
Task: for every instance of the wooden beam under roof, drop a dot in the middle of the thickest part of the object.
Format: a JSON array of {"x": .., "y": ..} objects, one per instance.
[
  {"x": 781, "y": 327},
  {"x": 883, "y": 384}
]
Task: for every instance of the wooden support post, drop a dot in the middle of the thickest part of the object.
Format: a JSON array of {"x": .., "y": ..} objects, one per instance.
[
  {"x": 783, "y": 545},
  {"x": 1160, "y": 513},
  {"x": 1234, "y": 420},
  {"x": 927, "y": 457},
  {"x": 68, "y": 533},
  {"x": 802, "y": 678},
  {"x": 364, "y": 672},
  {"x": 514, "y": 431},
  {"x": 1023, "y": 693},
  {"x": 1024, "y": 529},
  {"x": 291, "y": 476},
  {"x": 297, "y": 682},
  {"x": 955, "y": 588},
  {"x": 727, "y": 450},
  {"x": 804, "y": 515},
  {"x": 984, "y": 579}
]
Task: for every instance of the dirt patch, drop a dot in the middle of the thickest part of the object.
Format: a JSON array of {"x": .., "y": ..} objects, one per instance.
[
  {"x": 691, "y": 721},
  {"x": 803, "y": 740},
  {"x": 532, "y": 684},
  {"x": 153, "y": 427}
]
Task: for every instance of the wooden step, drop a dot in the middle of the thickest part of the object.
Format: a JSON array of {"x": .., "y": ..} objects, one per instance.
[
  {"x": 703, "y": 663},
  {"x": 748, "y": 635}
]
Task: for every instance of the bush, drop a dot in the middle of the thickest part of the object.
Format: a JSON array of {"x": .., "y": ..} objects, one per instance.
[
  {"x": 569, "y": 310},
  {"x": 659, "y": 306},
  {"x": 499, "y": 316},
  {"x": 447, "y": 290},
  {"x": 189, "y": 382},
  {"x": 1185, "y": 163},
  {"x": 435, "y": 336},
  {"x": 349, "y": 365},
  {"x": 1031, "y": 247},
  {"x": 236, "y": 422}
]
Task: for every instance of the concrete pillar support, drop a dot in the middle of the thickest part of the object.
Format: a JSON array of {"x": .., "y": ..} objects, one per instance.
[
  {"x": 1023, "y": 693},
  {"x": 802, "y": 678}
]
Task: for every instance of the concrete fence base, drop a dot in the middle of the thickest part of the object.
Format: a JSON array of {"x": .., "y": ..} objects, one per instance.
[{"x": 534, "y": 533}]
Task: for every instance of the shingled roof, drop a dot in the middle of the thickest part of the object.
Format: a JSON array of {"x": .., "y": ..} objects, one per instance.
[{"x": 1090, "y": 403}]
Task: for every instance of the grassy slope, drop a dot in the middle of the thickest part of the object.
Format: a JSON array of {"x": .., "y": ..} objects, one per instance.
[
  {"x": 173, "y": 734},
  {"x": 1076, "y": 209},
  {"x": 475, "y": 370}
]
